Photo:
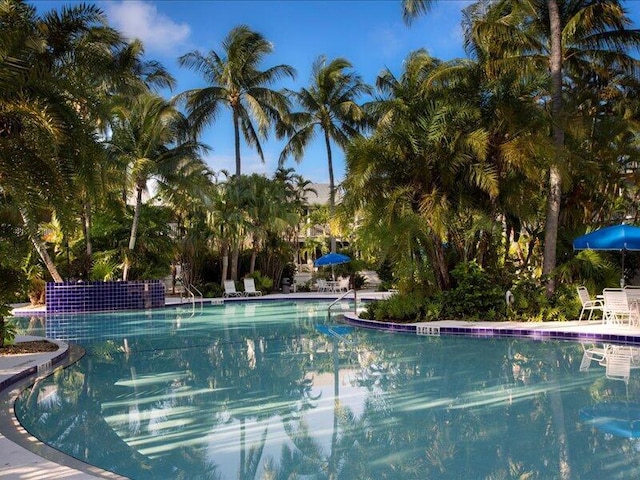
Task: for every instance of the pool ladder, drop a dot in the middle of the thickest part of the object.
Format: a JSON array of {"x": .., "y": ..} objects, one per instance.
[
  {"x": 355, "y": 301},
  {"x": 191, "y": 290}
]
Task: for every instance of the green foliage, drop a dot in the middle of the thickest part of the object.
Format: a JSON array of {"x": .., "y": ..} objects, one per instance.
[
  {"x": 476, "y": 295},
  {"x": 106, "y": 266},
  {"x": 531, "y": 303},
  {"x": 408, "y": 308},
  {"x": 212, "y": 290},
  {"x": 7, "y": 330}
]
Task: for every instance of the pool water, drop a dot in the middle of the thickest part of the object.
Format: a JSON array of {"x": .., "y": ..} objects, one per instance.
[{"x": 276, "y": 390}]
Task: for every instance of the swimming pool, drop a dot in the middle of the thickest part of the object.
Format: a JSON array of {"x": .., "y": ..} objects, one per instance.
[{"x": 271, "y": 390}]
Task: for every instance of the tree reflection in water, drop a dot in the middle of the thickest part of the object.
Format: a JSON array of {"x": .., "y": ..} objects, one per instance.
[{"x": 218, "y": 395}]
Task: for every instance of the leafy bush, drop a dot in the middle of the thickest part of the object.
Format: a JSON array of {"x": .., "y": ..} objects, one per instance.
[
  {"x": 475, "y": 296},
  {"x": 398, "y": 309},
  {"x": 531, "y": 303},
  {"x": 212, "y": 290},
  {"x": 7, "y": 327}
]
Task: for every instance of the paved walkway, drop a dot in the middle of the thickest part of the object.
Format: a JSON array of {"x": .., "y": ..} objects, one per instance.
[{"x": 18, "y": 371}]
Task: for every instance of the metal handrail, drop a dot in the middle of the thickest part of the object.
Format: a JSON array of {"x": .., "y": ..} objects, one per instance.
[
  {"x": 355, "y": 300},
  {"x": 188, "y": 288}
]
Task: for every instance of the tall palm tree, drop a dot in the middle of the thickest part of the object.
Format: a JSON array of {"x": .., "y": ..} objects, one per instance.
[
  {"x": 564, "y": 40},
  {"x": 424, "y": 164},
  {"x": 237, "y": 82},
  {"x": 149, "y": 138},
  {"x": 41, "y": 104},
  {"x": 329, "y": 105}
]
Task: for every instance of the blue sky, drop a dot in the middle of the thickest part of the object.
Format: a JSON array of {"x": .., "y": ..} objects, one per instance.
[{"x": 368, "y": 33}]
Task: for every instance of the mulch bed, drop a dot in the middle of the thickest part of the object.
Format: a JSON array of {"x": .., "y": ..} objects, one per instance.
[{"x": 36, "y": 346}]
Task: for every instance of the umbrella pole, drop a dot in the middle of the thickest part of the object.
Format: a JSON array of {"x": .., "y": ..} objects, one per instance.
[{"x": 622, "y": 279}]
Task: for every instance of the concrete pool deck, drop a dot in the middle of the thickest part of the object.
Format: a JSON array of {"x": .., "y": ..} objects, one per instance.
[{"x": 39, "y": 461}]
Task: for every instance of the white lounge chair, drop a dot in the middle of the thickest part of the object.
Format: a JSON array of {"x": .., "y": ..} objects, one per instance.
[
  {"x": 588, "y": 304},
  {"x": 250, "y": 288},
  {"x": 230, "y": 289}
]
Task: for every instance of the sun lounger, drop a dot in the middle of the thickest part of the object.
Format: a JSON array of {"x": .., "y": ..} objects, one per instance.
[{"x": 250, "y": 288}]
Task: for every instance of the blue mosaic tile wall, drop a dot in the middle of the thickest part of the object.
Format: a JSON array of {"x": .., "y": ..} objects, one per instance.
[{"x": 70, "y": 297}]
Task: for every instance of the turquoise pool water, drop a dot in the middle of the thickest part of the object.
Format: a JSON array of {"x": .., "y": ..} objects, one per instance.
[{"x": 275, "y": 390}]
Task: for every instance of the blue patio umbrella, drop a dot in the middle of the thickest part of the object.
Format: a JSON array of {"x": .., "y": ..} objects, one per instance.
[
  {"x": 621, "y": 419},
  {"x": 620, "y": 238},
  {"x": 331, "y": 259}
]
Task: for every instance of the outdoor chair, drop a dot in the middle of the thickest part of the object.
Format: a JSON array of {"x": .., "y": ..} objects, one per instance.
[
  {"x": 343, "y": 285},
  {"x": 616, "y": 306},
  {"x": 618, "y": 364},
  {"x": 230, "y": 289},
  {"x": 322, "y": 285},
  {"x": 588, "y": 304},
  {"x": 250, "y": 288},
  {"x": 599, "y": 354}
]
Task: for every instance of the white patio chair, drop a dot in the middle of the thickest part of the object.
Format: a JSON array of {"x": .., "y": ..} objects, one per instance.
[
  {"x": 599, "y": 354},
  {"x": 588, "y": 304},
  {"x": 343, "y": 285},
  {"x": 250, "y": 288},
  {"x": 616, "y": 306},
  {"x": 618, "y": 364},
  {"x": 322, "y": 285},
  {"x": 230, "y": 289},
  {"x": 633, "y": 298}
]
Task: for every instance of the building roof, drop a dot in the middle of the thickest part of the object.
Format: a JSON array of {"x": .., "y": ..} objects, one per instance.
[{"x": 321, "y": 195}]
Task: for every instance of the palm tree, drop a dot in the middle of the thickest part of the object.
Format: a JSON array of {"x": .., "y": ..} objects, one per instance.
[
  {"x": 40, "y": 106},
  {"x": 564, "y": 40},
  {"x": 414, "y": 8},
  {"x": 149, "y": 138},
  {"x": 236, "y": 81},
  {"x": 425, "y": 163},
  {"x": 329, "y": 105}
]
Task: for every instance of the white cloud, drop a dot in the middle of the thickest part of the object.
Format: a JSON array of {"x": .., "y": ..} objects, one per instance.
[{"x": 138, "y": 19}]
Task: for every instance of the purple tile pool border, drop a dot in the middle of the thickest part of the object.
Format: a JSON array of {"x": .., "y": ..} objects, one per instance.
[
  {"x": 70, "y": 297},
  {"x": 491, "y": 332}
]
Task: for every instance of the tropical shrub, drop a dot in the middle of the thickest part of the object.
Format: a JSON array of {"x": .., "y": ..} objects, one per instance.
[
  {"x": 476, "y": 295},
  {"x": 407, "y": 308},
  {"x": 7, "y": 329}
]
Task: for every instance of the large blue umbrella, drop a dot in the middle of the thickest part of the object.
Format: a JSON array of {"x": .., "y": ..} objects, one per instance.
[
  {"x": 331, "y": 259},
  {"x": 617, "y": 237},
  {"x": 616, "y": 418}
]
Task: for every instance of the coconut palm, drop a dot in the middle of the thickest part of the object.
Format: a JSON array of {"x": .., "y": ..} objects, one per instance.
[
  {"x": 329, "y": 105},
  {"x": 149, "y": 138},
  {"x": 563, "y": 40},
  {"x": 41, "y": 105},
  {"x": 237, "y": 82}
]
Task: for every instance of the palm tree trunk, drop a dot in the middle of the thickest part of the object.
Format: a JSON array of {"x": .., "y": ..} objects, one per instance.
[
  {"x": 332, "y": 192},
  {"x": 86, "y": 226},
  {"x": 134, "y": 231},
  {"x": 40, "y": 248},
  {"x": 235, "y": 256},
  {"x": 442, "y": 272},
  {"x": 555, "y": 179},
  {"x": 225, "y": 262},
  {"x": 86, "y": 230},
  {"x": 254, "y": 254},
  {"x": 236, "y": 139}
]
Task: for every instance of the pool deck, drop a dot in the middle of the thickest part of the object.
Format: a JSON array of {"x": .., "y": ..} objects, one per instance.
[{"x": 18, "y": 371}]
